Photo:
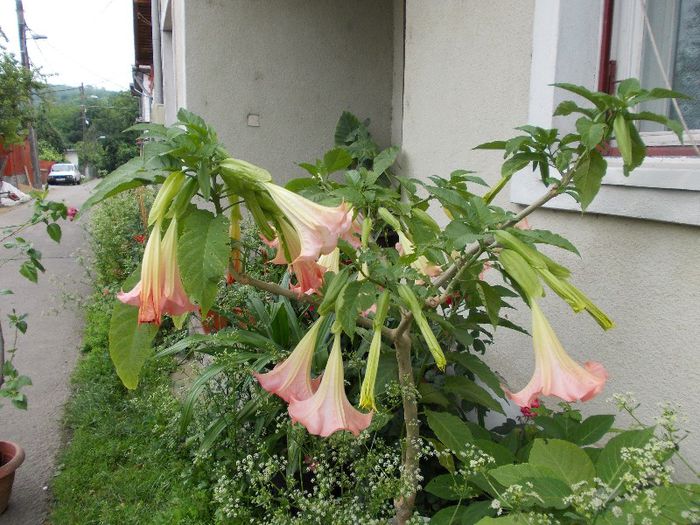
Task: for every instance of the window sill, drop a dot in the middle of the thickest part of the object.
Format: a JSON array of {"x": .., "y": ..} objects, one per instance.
[
  {"x": 566, "y": 46},
  {"x": 665, "y": 190}
]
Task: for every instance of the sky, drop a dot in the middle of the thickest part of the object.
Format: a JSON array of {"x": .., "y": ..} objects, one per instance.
[{"x": 88, "y": 41}]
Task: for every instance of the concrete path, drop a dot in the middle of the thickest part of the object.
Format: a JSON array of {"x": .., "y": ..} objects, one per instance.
[{"x": 48, "y": 351}]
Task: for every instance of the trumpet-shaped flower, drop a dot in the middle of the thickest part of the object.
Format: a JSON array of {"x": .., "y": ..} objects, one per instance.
[
  {"x": 317, "y": 227},
  {"x": 331, "y": 261},
  {"x": 329, "y": 410},
  {"x": 291, "y": 379},
  {"x": 556, "y": 374},
  {"x": 405, "y": 247},
  {"x": 160, "y": 289},
  {"x": 309, "y": 273}
]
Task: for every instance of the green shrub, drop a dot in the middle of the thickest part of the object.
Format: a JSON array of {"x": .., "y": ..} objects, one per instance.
[{"x": 117, "y": 236}]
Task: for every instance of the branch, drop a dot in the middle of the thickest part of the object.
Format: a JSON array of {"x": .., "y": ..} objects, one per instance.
[
  {"x": 276, "y": 289},
  {"x": 452, "y": 274},
  {"x": 272, "y": 288},
  {"x": 411, "y": 467}
]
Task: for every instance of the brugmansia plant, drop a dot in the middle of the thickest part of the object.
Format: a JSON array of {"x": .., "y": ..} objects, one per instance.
[{"x": 366, "y": 254}]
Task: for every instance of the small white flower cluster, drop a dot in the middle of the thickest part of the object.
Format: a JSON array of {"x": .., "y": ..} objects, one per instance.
[
  {"x": 624, "y": 402},
  {"x": 515, "y": 497},
  {"x": 589, "y": 499},
  {"x": 347, "y": 480},
  {"x": 474, "y": 460},
  {"x": 646, "y": 465},
  {"x": 692, "y": 515},
  {"x": 530, "y": 518}
]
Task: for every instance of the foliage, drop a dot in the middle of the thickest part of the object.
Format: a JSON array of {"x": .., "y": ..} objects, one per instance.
[
  {"x": 49, "y": 152},
  {"x": 117, "y": 235},
  {"x": 16, "y": 85},
  {"x": 101, "y": 143},
  {"x": 48, "y": 213},
  {"x": 410, "y": 309}
]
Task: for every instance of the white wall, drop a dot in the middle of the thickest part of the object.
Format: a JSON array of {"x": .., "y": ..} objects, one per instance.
[
  {"x": 467, "y": 74},
  {"x": 297, "y": 64}
]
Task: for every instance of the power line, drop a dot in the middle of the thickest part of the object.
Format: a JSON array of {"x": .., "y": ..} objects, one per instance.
[{"x": 82, "y": 66}]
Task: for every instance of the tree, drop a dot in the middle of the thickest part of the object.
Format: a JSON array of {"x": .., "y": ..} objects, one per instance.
[
  {"x": 102, "y": 143},
  {"x": 16, "y": 85}
]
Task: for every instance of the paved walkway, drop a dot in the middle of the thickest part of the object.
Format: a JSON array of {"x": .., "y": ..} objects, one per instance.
[{"x": 48, "y": 351}]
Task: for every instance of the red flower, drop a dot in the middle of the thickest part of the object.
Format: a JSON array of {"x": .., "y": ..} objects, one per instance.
[{"x": 140, "y": 238}]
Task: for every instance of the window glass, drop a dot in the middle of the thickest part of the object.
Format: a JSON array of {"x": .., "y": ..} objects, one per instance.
[{"x": 676, "y": 27}]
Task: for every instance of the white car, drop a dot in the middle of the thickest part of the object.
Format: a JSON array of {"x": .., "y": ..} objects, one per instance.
[{"x": 64, "y": 173}]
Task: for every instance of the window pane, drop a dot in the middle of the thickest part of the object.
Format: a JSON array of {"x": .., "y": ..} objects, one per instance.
[{"x": 676, "y": 27}]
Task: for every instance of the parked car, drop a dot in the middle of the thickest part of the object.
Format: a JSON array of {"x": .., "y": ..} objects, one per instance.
[{"x": 64, "y": 173}]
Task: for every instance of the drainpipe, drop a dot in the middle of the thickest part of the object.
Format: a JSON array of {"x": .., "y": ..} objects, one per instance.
[{"x": 157, "y": 62}]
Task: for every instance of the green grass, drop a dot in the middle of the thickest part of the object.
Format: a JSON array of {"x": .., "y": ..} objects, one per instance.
[{"x": 123, "y": 463}]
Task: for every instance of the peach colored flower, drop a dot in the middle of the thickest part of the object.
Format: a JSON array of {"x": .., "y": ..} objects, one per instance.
[
  {"x": 291, "y": 379},
  {"x": 331, "y": 261},
  {"x": 405, "y": 247},
  {"x": 329, "y": 410},
  {"x": 160, "y": 289},
  {"x": 309, "y": 274},
  {"x": 556, "y": 374},
  {"x": 317, "y": 227}
]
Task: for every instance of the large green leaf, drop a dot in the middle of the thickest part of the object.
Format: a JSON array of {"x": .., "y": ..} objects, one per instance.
[
  {"x": 385, "y": 160},
  {"x": 508, "y": 475},
  {"x": 129, "y": 343},
  {"x": 471, "y": 392},
  {"x": 500, "y": 454},
  {"x": 546, "y": 237},
  {"x": 346, "y": 125},
  {"x": 463, "y": 514},
  {"x": 336, "y": 159},
  {"x": 568, "y": 462},
  {"x": 591, "y": 429},
  {"x": 588, "y": 176},
  {"x": 610, "y": 466},
  {"x": 449, "y": 429},
  {"x": 129, "y": 175},
  {"x": 511, "y": 519},
  {"x": 449, "y": 487},
  {"x": 203, "y": 255}
]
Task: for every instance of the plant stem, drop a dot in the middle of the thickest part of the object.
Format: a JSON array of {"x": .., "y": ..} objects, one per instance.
[
  {"x": 276, "y": 289},
  {"x": 451, "y": 273},
  {"x": 411, "y": 470}
]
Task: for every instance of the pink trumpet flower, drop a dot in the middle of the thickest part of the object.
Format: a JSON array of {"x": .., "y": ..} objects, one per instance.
[
  {"x": 309, "y": 277},
  {"x": 316, "y": 227},
  {"x": 329, "y": 410},
  {"x": 160, "y": 289},
  {"x": 556, "y": 374},
  {"x": 309, "y": 274},
  {"x": 405, "y": 247},
  {"x": 291, "y": 379}
]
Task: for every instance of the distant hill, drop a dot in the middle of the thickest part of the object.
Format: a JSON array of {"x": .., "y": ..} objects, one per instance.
[{"x": 61, "y": 93}]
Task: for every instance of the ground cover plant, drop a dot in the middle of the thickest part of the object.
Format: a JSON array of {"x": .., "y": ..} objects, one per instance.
[{"x": 351, "y": 389}]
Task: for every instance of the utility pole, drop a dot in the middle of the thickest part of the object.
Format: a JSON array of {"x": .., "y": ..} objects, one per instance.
[
  {"x": 83, "y": 119},
  {"x": 31, "y": 133}
]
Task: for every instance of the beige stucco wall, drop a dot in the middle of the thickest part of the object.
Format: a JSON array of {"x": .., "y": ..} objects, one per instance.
[
  {"x": 467, "y": 74},
  {"x": 297, "y": 64}
]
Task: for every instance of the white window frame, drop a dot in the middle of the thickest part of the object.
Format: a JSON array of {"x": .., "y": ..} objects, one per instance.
[
  {"x": 627, "y": 50},
  {"x": 566, "y": 47}
]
